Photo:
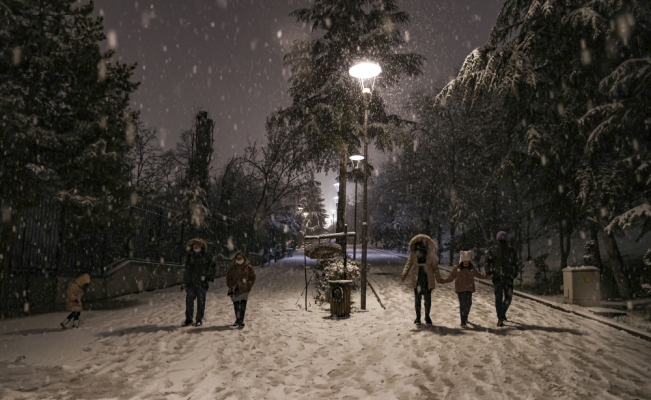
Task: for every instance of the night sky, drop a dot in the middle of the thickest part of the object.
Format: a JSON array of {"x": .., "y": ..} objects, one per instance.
[{"x": 225, "y": 57}]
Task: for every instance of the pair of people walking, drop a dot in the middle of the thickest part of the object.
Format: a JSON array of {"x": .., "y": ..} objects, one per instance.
[
  {"x": 501, "y": 267},
  {"x": 200, "y": 271}
]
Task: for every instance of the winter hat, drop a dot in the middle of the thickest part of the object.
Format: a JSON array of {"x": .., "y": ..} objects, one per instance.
[
  {"x": 501, "y": 235},
  {"x": 200, "y": 242},
  {"x": 465, "y": 256}
]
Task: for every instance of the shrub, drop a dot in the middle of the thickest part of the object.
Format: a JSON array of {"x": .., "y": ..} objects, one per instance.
[{"x": 329, "y": 269}]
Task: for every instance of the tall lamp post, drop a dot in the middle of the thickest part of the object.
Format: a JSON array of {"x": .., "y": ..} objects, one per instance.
[
  {"x": 355, "y": 159},
  {"x": 366, "y": 72}
]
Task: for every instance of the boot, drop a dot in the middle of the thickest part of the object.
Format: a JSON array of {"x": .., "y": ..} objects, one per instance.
[
  {"x": 65, "y": 323},
  {"x": 75, "y": 323},
  {"x": 428, "y": 320},
  {"x": 242, "y": 312}
]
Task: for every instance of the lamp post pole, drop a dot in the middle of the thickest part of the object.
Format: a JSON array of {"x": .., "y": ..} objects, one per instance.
[
  {"x": 355, "y": 242},
  {"x": 362, "y": 303},
  {"x": 363, "y": 71},
  {"x": 355, "y": 159}
]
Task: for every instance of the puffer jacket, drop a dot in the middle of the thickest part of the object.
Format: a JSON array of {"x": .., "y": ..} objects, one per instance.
[
  {"x": 75, "y": 292},
  {"x": 199, "y": 267},
  {"x": 502, "y": 260},
  {"x": 241, "y": 276},
  {"x": 464, "y": 278},
  {"x": 431, "y": 262}
]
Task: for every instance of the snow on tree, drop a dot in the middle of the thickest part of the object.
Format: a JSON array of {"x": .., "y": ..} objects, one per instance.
[
  {"x": 66, "y": 124},
  {"x": 327, "y": 104},
  {"x": 544, "y": 91}
]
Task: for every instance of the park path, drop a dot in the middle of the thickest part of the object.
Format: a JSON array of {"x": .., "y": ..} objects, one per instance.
[{"x": 140, "y": 352}]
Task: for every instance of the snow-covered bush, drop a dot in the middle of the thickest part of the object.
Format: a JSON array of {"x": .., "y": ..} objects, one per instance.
[{"x": 329, "y": 269}]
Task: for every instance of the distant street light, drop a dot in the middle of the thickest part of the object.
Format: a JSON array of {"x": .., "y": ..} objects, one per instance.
[
  {"x": 366, "y": 72},
  {"x": 355, "y": 159}
]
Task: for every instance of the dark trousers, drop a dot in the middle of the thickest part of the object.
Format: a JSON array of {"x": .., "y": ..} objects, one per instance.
[
  {"x": 427, "y": 294},
  {"x": 465, "y": 302},
  {"x": 503, "y": 288},
  {"x": 199, "y": 294},
  {"x": 240, "y": 310},
  {"x": 74, "y": 315}
]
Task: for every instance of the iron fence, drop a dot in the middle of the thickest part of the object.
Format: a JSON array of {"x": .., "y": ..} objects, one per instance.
[{"x": 40, "y": 254}]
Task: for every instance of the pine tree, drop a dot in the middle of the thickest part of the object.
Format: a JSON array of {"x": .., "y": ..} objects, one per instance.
[
  {"x": 66, "y": 126},
  {"x": 544, "y": 91},
  {"x": 326, "y": 102}
]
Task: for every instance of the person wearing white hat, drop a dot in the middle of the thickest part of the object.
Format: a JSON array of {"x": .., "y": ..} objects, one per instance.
[{"x": 464, "y": 275}]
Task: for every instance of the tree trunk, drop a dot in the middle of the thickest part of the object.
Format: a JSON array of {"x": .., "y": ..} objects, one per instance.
[
  {"x": 529, "y": 219},
  {"x": 439, "y": 241},
  {"x": 453, "y": 232},
  {"x": 341, "y": 204},
  {"x": 608, "y": 284},
  {"x": 565, "y": 241},
  {"x": 616, "y": 263},
  {"x": 594, "y": 236}
]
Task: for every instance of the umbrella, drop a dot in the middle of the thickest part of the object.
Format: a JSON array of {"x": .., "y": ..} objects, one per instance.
[{"x": 322, "y": 250}]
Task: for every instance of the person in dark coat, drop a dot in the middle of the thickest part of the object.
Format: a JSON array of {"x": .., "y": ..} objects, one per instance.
[
  {"x": 199, "y": 270},
  {"x": 424, "y": 268},
  {"x": 502, "y": 264},
  {"x": 240, "y": 279},
  {"x": 464, "y": 275},
  {"x": 74, "y": 294}
]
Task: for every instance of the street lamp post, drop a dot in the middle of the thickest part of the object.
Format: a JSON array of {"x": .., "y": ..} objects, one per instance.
[
  {"x": 355, "y": 159},
  {"x": 365, "y": 72}
]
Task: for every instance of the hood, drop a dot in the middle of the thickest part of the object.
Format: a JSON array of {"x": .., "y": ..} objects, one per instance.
[
  {"x": 82, "y": 280},
  {"x": 200, "y": 242},
  {"x": 431, "y": 245}
]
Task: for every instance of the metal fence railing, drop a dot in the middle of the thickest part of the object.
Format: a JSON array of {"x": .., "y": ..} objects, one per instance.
[{"x": 40, "y": 252}]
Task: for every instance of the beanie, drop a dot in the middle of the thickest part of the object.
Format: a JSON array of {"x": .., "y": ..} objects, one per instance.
[{"x": 465, "y": 256}]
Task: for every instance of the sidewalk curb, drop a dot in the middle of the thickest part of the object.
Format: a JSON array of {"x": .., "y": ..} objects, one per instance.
[{"x": 585, "y": 314}]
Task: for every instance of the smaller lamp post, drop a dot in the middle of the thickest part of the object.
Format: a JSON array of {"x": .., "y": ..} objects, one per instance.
[{"x": 355, "y": 159}]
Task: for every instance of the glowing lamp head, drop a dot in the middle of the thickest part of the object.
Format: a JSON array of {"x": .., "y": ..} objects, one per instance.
[
  {"x": 356, "y": 158},
  {"x": 365, "y": 70}
]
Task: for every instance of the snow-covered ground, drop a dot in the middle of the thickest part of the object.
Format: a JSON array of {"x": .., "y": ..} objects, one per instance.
[{"x": 141, "y": 352}]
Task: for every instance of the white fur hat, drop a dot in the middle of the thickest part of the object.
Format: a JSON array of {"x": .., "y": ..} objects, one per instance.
[{"x": 465, "y": 256}]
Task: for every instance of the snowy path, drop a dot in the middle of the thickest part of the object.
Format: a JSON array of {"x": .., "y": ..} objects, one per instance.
[{"x": 140, "y": 352}]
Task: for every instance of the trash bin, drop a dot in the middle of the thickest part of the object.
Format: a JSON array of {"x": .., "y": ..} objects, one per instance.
[
  {"x": 340, "y": 298},
  {"x": 581, "y": 286}
]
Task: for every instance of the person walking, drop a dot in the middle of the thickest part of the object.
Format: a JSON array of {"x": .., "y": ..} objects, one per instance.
[
  {"x": 502, "y": 265},
  {"x": 464, "y": 275},
  {"x": 240, "y": 279},
  {"x": 424, "y": 268},
  {"x": 199, "y": 270},
  {"x": 74, "y": 294}
]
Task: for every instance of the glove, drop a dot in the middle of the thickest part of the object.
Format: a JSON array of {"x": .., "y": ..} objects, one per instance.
[
  {"x": 439, "y": 281},
  {"x": 76, "y": 301},
  {"x": 230, "y": 292}
]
